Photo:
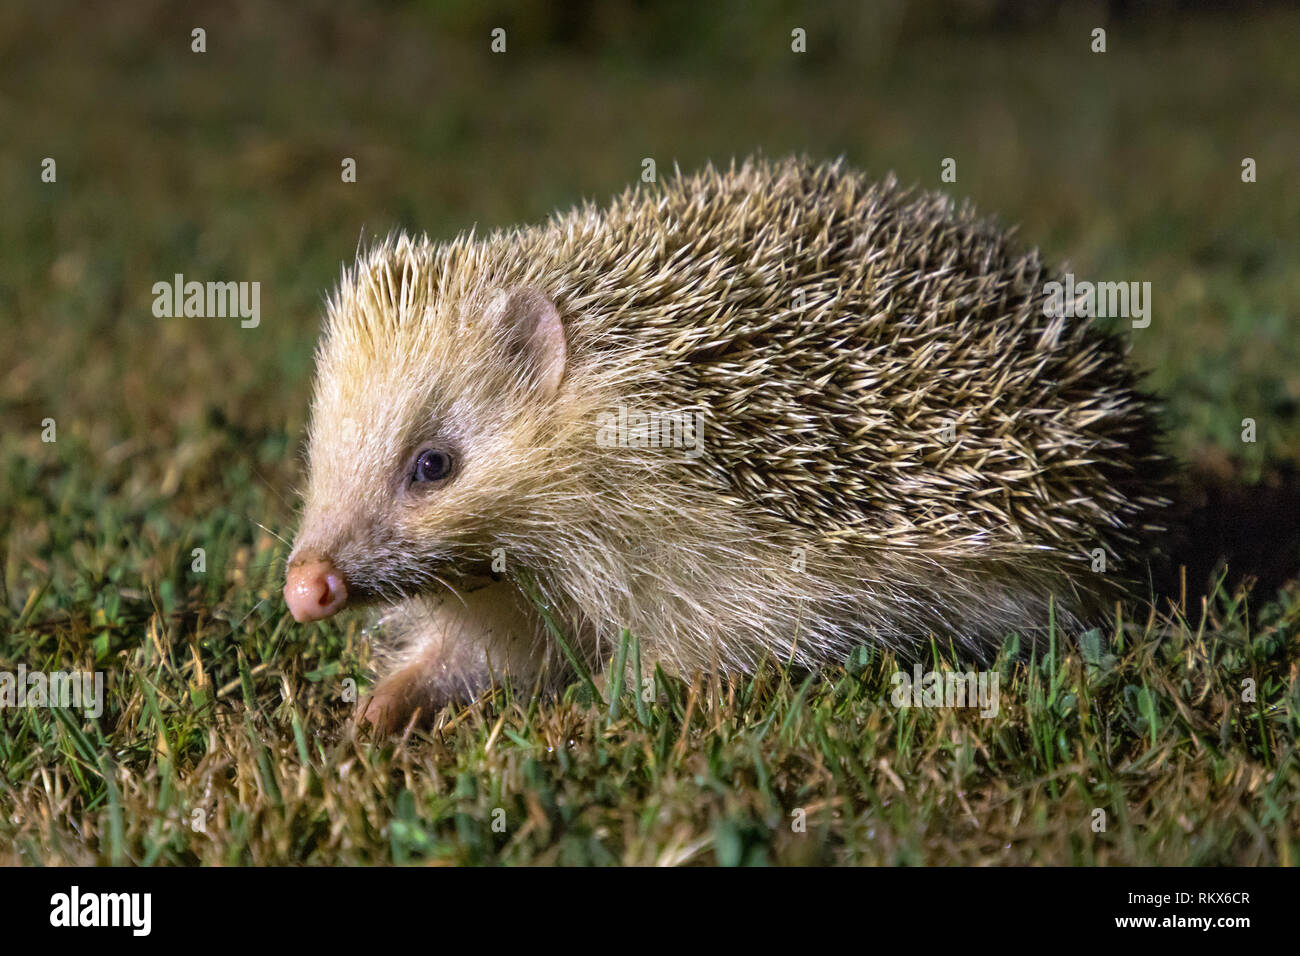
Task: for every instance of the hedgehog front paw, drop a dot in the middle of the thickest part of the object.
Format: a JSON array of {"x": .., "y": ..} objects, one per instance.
[
  {"x": 400, "y": 700},
  {"x": 448, "y": 649}
]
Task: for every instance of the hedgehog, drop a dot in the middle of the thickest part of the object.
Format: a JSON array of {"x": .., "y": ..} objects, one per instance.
[{"x": 759, "y": 414}]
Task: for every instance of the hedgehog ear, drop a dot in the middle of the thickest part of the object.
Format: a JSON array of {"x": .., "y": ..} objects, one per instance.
[{"x": 529, "y": 325}]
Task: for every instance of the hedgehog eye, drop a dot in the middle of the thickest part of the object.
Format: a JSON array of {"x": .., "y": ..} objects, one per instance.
[{"x": 432, "y": 464}]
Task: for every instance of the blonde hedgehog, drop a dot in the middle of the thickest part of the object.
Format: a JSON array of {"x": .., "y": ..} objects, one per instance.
[{"x": 761, "y": 414}]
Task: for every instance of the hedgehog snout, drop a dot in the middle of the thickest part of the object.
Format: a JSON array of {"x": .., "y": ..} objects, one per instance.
[{"x": 314, "y": 589}]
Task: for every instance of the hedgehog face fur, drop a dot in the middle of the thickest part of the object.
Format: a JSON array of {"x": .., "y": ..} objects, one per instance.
[
  {"x": 898, "y": 441},
  {"x": 466, "y": 384}
]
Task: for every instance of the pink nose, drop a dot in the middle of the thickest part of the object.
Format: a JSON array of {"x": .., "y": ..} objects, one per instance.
[{"x": 314, "y": 590}]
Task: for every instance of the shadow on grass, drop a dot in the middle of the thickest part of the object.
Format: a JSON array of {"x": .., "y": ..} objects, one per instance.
[{"x": 1219, "y": 521}]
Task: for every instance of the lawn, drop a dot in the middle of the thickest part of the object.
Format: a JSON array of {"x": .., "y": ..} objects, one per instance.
[{"x": 1168, "y": 737}]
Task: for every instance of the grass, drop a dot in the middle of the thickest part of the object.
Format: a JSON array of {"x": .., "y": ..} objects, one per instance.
[
  {"x": 225, "y": 735},
  {"x": 231, "y": 745}
]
